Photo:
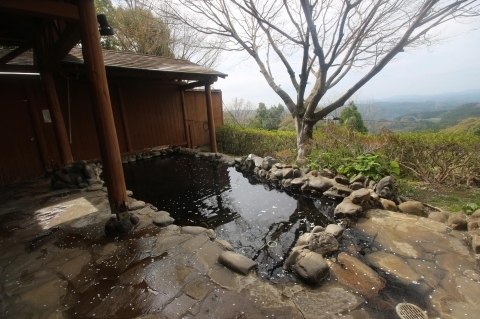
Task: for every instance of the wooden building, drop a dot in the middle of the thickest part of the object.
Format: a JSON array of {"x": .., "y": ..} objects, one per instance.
[
  {"x": 65, "y": 109},
  {"x": 147, "y": 110}
]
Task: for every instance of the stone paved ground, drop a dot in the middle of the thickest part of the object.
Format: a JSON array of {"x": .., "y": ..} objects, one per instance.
[{"x": 55, "y": 262}]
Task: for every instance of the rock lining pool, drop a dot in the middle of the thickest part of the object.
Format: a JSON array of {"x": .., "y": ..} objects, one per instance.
[{"x": 261, "y": 223}]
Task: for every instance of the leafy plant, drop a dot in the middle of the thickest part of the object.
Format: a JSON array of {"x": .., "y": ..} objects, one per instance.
[
  {"x": 374, "y": 166},
  {"x": 470, "y": 208}
]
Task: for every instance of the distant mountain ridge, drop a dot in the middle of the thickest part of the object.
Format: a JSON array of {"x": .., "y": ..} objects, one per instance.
[
  {"x": 449, "y": 97},
  {"x": 402, "y": 105},
  {"x": 432, "y": 120}
]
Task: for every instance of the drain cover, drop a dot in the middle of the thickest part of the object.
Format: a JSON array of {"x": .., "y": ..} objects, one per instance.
[{"x": 410, "y": 311}]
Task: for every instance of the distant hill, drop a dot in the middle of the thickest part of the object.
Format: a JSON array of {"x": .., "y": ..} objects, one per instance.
[
  {"x": 434, "y": 120},
  {"x": 401, "y": 105},
  {"x": 470, "y": 125},
  {"x": 391, "y": 110},
  {"x": 449, "y": 97}
]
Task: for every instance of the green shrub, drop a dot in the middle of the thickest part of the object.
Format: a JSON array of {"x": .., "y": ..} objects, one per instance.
[
  {"x": 374, "y": 166},
  {"x": 470, "y": 208},
  {"x": 243, "y": 141},
  {"x": 435, "y": 158}
]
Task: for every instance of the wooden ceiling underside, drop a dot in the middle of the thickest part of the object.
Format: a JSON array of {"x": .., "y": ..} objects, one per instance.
[{"x": 48, "y": 27}]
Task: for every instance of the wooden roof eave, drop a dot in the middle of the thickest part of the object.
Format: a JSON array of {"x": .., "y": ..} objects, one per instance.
[
  {"x": 46, "y": 9},
  {"x": 147, "y": 74}
]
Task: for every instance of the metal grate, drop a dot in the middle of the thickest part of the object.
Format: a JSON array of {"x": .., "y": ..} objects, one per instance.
[{"x": 410, "y": 311}]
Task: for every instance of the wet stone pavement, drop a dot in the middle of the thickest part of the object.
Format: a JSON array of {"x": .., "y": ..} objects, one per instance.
[{"x": 55, "y": 262}]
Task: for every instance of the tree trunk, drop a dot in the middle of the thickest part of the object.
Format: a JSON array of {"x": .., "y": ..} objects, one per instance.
[{"x": 304, "y": 136}]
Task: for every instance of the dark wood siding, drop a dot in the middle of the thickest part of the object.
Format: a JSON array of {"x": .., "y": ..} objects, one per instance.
[
  {"x": 196, "y": 115},
  {"x": 20, "y": 156},
  {"x": 153, "y": 114}
]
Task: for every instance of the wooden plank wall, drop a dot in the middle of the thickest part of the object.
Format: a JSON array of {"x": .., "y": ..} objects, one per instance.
[
  {"x": 153, "y": 113},
  {"x": 20, "y": 156},
  {"x": 196, "y": 115}
]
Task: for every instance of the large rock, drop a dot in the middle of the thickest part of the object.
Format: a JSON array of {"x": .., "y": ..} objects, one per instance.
[
  {"x": 310, "y": 266},
  {"x": 224, "y": 244},
  {"x": 320, "y": 183},
  {"x": 413, "y": 208},
  {"x": 322, "y": 243},
  {"x": 473, "y": 224},
  {"x": 258, "y": 161},
  {"x": 76, "y": 175},
  {"x": 347, "y": 209},
  {"x": 196, "y": 230},
  {"x": 476, "y": 214},
  {"x": 326, "y": 173},
  {"x": 355, "y": 186},
  {"x": 458, "y": 221},
  {"x": 317, "y": 229},
  {"x": 341, "y": 179},
  {"x": 388, "y": 205},
  {"x": 357, "y": 276},
  {"x": 393, "y": 266},
  {"x": 136, "y": 205},
  {"x": 360, "y": 196},
  {"x": 385, "y": 187},
  {"x": 476, "y": 244},
  {"x": 268, "y": 162},
  {"x": 287, "y": 172},
  {"x": 297, "y": 182},
  {"x": 342, "y": 189},
  {"x": 250, "y": 162},
  {"x": 335, "y": 230},
  {"x": 358, "y": 179},
  {"x": 441, "y": 217},
  {"x": 237, "y": 262},
  {"x": 292, "y": 258},
  {"x": 162, "y": 218}
]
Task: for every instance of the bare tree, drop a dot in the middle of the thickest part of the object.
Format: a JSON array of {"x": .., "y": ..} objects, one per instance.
[
  {"x": 239, "y": 112},
  {"x": 188, "y": 43},
  {"x": 333, "y": 37},
  {"x": 137, "y": 29},
  {"x": 146, "y": 26}
]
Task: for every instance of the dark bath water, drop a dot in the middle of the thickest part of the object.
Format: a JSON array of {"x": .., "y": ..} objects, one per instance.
[
  {"x": 251, "y": 216},
  {"x": 260, "y": 223}
]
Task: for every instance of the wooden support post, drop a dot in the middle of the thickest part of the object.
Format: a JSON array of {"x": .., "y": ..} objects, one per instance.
[
  {"x": 37, "y": 126},
  {"x": 124, "y": 118},
  {"x": 57, "y": 118},
  {"x": 106, "y": 133},
  {"x": 211, "y": 122},
  {"x": 185, "y": 124}
]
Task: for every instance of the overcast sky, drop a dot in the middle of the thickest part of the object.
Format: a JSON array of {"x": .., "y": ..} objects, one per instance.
[{"x": 449, "y": 67}]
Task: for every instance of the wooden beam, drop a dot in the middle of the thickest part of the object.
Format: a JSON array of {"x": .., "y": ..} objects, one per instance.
[
  {"x": 37, "y": 126},
  {"x": 13, "y": 54},
  {"x": 124, "y": 118},
  {"x": 211, "y": 122},
  {"x": 104, "y": 122},
  {"x": 12, "y": 68},
  {"x": 144, "y": 74},
  {"x": 185, "y": 123},
  {"x": 57, "y": 118},
  {"x": 41, "y": 8},
  {"x": 67, "y": 40},
  {"x": 193, "y": 85}
]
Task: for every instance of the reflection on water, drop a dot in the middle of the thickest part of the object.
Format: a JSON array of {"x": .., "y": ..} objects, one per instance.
[{"x": 260, "y": 223}]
